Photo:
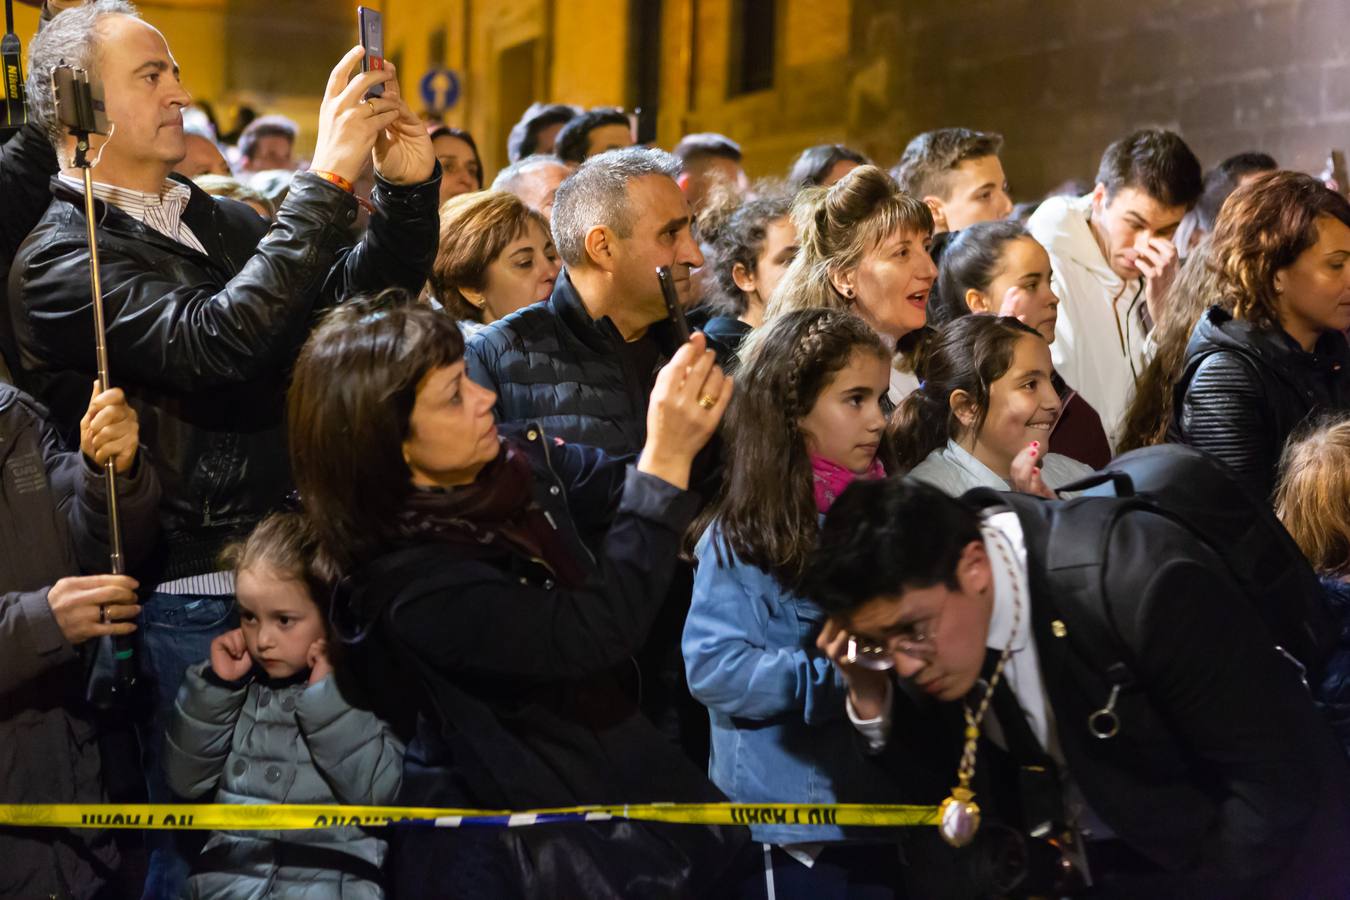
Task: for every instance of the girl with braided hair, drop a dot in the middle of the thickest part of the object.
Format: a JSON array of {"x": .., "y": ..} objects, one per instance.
[
  {"x": 984, "y": 413},
  {"x": 806, "y": 420},
  {"x": 864, "y": 249}
]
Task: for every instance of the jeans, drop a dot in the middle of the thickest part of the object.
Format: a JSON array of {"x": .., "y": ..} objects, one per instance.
[{"x": 176, "y": 632}]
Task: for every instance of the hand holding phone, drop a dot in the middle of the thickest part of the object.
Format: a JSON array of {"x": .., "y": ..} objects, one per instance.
[
  {"x": 673, "y": 307},
  {"x": 371, "y": 25}
]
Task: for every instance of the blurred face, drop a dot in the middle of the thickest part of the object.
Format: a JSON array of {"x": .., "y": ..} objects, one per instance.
[
  {"x": 779, "y": 250},
  {"x": 978, "y": 193},
  {"x": 1023, "y": 407},
  {"x": 1314, "y": 292},
  {"x": 608, "y": 137},
  {"x": 522, "y": 274},
  {"x": 838, "y": 171},
  {"x": 451, "y": 432},
  {"x": 144, "y": 101},
  {"x": 661, "y": 237},
  {"x": 1127, "y": 223},
  {"x": 889, "y": 288},
  {"x": 547, "y": 137},
  {"x": 271, "y": 151},
  {"x": 203, "y": 158},
  {"x": 1021, "y": 288},
  {"x": 709, "y": 174},
  {"x": 279, "y": 619},
  {"x": 539, "y": 186},
  {"x": 459, "y": 166},
  {"x": 846, "y": 422},
  {"x": 943, "y": 631}
]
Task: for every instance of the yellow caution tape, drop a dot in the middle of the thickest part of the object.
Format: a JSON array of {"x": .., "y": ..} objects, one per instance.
[{"x": 260, "y": 817}]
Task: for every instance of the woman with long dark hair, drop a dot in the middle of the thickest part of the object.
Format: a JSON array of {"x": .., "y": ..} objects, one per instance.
[
  {"x": 1282, "y": 249},
  {"x": 471, "y": 591}
]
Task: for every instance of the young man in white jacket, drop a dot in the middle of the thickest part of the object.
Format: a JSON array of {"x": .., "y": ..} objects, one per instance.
[{"x": 1113, "y": 260}]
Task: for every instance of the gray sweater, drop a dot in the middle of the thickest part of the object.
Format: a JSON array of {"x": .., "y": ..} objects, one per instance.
[{"x": 254, "y": 742}]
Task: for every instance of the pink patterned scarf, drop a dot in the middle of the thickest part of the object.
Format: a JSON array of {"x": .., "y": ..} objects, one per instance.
[{"x": 829, "y": 479}]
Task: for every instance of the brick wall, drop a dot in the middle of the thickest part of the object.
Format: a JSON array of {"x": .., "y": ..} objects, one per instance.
[{"x": 1062, "y": 78}]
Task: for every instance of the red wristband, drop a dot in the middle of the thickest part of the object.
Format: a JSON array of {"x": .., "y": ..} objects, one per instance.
[{"x": 334, "y": 178}]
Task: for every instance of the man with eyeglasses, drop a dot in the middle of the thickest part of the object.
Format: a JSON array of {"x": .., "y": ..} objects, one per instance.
[{"x": 1199, "y": 767}]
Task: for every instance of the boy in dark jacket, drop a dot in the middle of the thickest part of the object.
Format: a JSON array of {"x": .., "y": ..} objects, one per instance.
[{"x": 53, "y": 526}]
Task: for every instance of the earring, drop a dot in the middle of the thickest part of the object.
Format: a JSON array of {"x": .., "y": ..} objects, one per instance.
[{"x": 849, "y": 293}]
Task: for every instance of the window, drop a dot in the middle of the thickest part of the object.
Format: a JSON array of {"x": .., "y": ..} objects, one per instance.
[{"x": 754, "y": 39}]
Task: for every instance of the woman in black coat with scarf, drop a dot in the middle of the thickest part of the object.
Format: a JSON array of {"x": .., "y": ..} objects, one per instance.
[
  {"x": 1282, "y": 245},
  {"x": 472, "y": 592}
]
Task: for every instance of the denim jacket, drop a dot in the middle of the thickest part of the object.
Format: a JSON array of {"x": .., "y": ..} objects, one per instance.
[{"x": 780, "y": 733}]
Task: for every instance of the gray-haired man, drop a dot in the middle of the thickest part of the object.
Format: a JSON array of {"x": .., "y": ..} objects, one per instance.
[
  {"x": 582, "y": 362},
  {"x": 535, "y": 180}
]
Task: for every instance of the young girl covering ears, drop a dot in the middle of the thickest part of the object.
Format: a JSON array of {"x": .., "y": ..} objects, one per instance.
[
  {"x": 263, "y": 721},
  {"x": 806, "y": 421},
  {"x": 984, "y": 413}
]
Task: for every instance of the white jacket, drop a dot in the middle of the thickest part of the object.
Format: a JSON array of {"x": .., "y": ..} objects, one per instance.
[{"x": 1100, "y": 337}]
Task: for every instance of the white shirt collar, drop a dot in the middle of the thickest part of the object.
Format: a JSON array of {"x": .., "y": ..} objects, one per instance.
[{"x": 1006, "y": 546}]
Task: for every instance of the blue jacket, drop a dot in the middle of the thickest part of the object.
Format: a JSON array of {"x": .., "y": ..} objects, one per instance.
[
  {"x": 780, "y": 732},
  {"x": 1333, "y": 693}
]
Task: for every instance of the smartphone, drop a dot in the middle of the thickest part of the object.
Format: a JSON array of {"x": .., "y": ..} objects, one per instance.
[
  {"x": 673, "y": 307},
  {"x": 372, "y": 39},
  {"x": 79, "y": 103}
]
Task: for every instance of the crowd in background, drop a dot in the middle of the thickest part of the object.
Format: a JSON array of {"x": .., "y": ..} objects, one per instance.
[{"x": 428, "y": 498}]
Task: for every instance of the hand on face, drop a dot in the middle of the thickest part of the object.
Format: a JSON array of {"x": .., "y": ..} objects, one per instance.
[
  {"x": 866, "y": 687},
  {"x": 1158, "y": 261},
  {"x": 1026, "y": 472},
  {"x": 319, "y": 665},
  {"x": 229, "y": 656}
]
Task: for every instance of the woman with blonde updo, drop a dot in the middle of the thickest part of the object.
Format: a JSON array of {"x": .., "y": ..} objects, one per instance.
[
  {"x": 495, "y": 256},
  {"x": 864, "y": 248}
]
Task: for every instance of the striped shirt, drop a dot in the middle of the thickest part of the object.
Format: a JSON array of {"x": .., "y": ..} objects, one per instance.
[{"x": 163, "y": 211}]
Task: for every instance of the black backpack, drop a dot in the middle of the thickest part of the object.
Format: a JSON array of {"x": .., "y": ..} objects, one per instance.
[{"x": 1196, "y": 491}]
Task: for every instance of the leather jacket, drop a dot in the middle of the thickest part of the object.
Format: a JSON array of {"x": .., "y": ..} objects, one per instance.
[
  {"x": 203, "y": 343},
  {"x": 1245, "y": 389}
]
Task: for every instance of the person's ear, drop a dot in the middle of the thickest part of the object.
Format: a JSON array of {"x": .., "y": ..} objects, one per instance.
[
  {"x": 973, "y": 573},
  {"x": 939, "y": 213},
  {"x": 683, "y": 180},
  {"x": 978, "y": 302},
  {"x": 1099, "y": 198},
  {"x": 963, "y": 407},
  {"x": 475, "y": 297},
  {"x": 743, "y": 277},
  {"x": 845, "y": 283},
  {"x": 1279, "y": 282},
  {"x": 599, "y": 244}
]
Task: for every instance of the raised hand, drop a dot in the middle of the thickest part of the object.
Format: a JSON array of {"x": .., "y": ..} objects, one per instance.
[
  {"x": 403, "y": 151},
  {"x": 110, "y": 430},
  {"x": 1026, "y": 472},
  {"x": 317, "y": 658},
  {"x": 350, "y": 124},
  {"x": 1158, "y": 261},
  {"x": 866, "y": 687},
  {"x": 689, "y": 399}
]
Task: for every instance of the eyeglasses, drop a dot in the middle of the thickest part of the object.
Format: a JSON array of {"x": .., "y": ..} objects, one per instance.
[{"x": 879, "y": 656}]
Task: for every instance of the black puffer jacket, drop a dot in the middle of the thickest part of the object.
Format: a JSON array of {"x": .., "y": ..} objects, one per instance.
[
  {"x": 553, "y": 364},
  {"x": 1245, "y": 389},
  {"x": 203, "y": 343}
]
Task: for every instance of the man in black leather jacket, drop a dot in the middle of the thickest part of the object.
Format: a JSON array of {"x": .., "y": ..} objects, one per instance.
[{"x": 206, "y": 304}]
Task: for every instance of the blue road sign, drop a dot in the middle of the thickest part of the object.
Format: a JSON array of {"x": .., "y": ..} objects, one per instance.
[{"x": 439, "y": 88}]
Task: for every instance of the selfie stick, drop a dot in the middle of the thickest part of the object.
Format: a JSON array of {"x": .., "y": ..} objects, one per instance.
[{"x": 71, "y": 88}]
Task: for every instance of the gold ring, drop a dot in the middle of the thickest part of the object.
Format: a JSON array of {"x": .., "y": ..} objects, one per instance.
[{"x": 707, "y": 402}]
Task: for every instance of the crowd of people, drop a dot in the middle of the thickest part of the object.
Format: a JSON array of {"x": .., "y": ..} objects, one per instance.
[{"x": 1035, "y": 513}]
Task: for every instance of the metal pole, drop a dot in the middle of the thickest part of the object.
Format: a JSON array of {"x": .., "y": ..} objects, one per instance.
[{"x": 100, "y": 348}]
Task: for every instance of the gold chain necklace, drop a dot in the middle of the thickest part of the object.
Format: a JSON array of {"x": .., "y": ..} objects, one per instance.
[{"x": 959, "y": 815}]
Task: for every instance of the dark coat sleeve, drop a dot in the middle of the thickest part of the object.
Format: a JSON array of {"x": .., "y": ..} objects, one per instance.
[
  {"x": 1237, "y": 705},
  {"x": 1224, "y": 412},
  {"x": 32, "y": 641},
  {"x": 488, "y": 625},
  {"x": 192, "y": 336},
  {"x": 27, "y": 164}
]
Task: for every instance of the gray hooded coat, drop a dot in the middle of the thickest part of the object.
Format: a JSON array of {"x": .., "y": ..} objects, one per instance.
[{"x": 255, "y": 741}]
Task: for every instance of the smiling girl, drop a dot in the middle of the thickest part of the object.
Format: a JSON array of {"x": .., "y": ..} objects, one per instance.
[
  {"x": 984, "y": 415},
  {"x": 806, "y": 421},
  {"x": 998, "y": 268}
]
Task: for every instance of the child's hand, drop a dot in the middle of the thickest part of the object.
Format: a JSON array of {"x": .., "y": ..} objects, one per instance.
[
  {"x": 110, "y": 430},
  {"x": 319, "y": 666},
  {"x": 1026, "y": 472},
  {"x": 866, "y": 687},
  {"x": 229, "y": 656}
]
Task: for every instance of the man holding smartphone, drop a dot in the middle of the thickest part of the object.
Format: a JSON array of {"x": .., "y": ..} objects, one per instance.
[{"x": 206, "y": 308}]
